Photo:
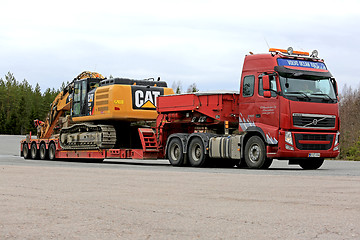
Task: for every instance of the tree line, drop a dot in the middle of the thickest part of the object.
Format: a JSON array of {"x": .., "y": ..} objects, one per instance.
[
  {"x": 21, "y": 104},
  {"x": 350, "y": 123},
  {"x": 177, "y": 87}
]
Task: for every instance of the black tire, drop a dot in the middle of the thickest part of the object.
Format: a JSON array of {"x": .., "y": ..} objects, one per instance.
[
  {"x": 43, "y": 152},
  {"x": 196, "y": 153},
  {"x": 267, "y": 164},
  {"x": 175, "y": 152},
  {"x": 26, "y": 151},
  {"x": 311, "y": 163},
  {"x": 241, "y": 164},
  {"x": 52, "y": 150},
  {"x": 255, "y": 155},
  {"x": 34, "y": 151}
]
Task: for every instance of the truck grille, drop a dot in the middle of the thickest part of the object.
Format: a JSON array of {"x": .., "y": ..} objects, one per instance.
[
  {"x": 326, "y": 141},
  {"x": 314, "y": 121}
]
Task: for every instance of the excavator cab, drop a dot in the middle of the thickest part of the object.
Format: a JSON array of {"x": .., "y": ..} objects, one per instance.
[{"x": 80, "y": 96}]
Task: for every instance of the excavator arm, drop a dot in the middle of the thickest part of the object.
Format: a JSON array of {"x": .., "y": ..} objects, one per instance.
[{"x": 60, "y": 105}]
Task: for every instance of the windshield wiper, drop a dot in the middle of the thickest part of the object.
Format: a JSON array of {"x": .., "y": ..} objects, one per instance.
[
  {"x": 302, "y": 93},
  {"x": 323, "y": 94}
]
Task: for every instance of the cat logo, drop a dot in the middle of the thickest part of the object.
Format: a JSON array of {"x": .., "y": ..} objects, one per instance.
[{"x": 145, "y": 97}]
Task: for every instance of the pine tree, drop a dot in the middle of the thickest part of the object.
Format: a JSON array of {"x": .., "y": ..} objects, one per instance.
[
  {"x": 192, "y": 88},
  {"x": 21, "y": 104}
]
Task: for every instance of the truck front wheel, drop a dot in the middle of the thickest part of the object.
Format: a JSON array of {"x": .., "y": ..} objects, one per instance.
[
  {"x": 255, "y": 156},
  {"x": 311, "y": 163},
  {"x": 175, "y": 152},
  {"x": 196, "y": 151}
]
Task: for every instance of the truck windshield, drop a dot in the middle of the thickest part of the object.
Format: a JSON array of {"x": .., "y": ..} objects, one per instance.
[{"x": 308, "y": 90}]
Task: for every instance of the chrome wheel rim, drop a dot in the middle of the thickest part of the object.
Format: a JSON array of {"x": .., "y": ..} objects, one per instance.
[
  {"x": 175, "y": 152},
  {"x": 196, "y": 152},
  {"x": 254, "y": 153}
]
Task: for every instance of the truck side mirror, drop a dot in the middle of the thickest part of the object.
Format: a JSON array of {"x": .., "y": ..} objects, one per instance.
[
  {"x": 266, "y": 83},
  {"x": 333, "y": 81}
]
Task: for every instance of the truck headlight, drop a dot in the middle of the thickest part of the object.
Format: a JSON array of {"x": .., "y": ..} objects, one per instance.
[
  {"x": 337, "y": 139},
  {"x": 288, "y": 138},
  {"x": 336, "y": 143}
]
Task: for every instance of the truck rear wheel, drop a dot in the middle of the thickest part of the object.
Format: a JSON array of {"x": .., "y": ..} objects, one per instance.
[
  {"x": 196, "y": 153},
  {"x": 255, "y": 156},
  {"x": 52, "y": 150},
  {"x": 175, "y": 152},
  {"x": 311, "y": 163},
  {"x": 43, "y": 152},
  {"x": 34, "y": 151},
  {"x": 26, "y": 151}
]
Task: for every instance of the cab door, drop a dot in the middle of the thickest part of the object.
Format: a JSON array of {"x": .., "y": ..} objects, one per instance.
[
  {"x": 247, "y": 102},
  {"x": 79, "y": 98},
  {"x": 267, "y": 109}
]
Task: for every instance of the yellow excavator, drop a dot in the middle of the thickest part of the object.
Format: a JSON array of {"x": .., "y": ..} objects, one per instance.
[{"x": 93, "y": 112}]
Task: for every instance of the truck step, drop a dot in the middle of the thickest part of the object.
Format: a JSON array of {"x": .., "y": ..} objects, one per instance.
[{"x": 148, "y": 140}]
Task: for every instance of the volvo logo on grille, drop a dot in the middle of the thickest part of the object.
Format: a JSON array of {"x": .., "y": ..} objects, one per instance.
[{"x": 319, "y": 121}]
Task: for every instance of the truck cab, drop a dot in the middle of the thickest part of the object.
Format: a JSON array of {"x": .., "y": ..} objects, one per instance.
[{"x": 288, "y": 105}]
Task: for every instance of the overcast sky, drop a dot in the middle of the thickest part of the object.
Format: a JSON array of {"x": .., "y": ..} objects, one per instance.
[{"x": 196, "y": 41}]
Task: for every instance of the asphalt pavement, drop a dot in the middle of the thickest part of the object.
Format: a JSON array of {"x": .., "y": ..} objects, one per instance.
[
  {"x": 130, "y": 199},
  {"x": 10, "y": 151}
]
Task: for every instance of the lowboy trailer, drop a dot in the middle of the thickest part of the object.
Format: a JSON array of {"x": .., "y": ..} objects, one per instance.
[{"x": 286, "y": 109}]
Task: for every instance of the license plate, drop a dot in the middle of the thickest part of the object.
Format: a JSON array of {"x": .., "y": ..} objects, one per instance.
[{"x": 314, "y": 154}]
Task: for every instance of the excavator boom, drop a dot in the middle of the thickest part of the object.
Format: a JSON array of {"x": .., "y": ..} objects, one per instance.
[{"x": 60, "y": 105}]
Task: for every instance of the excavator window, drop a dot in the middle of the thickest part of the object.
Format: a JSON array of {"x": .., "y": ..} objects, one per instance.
[
  {"x": 76, "y": 103},
  {"x": 81, "y": 89},
  {"x": 79, "y": 97},
  {"x": 83, "y": 96},
  {"x": 94, "y": 85}
]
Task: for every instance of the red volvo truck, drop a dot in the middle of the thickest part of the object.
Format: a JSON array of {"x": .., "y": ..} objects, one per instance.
[{"x": 286, "y": 109}]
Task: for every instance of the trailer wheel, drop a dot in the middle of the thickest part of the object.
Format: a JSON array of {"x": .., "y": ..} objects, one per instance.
[
  {"x": 196, "y": 153},
  {"x": 43, "y": 152},
  {"x": 34, "y": 151},
  {"x": 255, "y": 152},
  {"x": 26, "y": 151},
  {"x": 175, "y": 152},
  {"x": 52, "y": 150},
  {"x": 311, "y": 163}
]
